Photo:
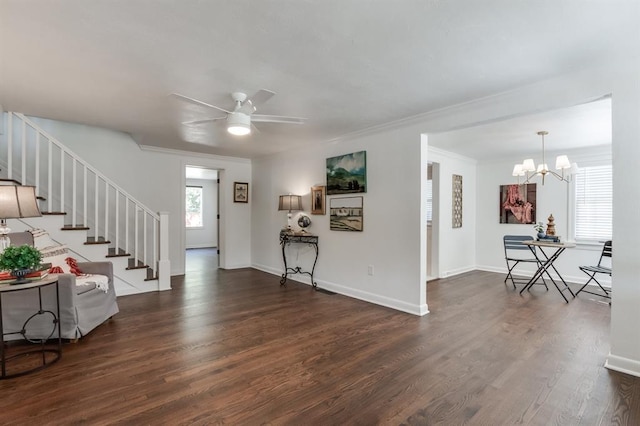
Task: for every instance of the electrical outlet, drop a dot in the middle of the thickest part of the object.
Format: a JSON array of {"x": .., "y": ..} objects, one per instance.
[{"x": 370, "y": 270}]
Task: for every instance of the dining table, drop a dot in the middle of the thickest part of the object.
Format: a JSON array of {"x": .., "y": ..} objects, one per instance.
[{"x": 550, "y": 251}]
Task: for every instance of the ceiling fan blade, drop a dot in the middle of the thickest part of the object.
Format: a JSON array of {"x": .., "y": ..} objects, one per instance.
[
  {"x": 277, "y": 119},
  {"x": 208, "y": 120},
  {"x": 197, "y": 102},
  {"x": 261, "y": 96}
]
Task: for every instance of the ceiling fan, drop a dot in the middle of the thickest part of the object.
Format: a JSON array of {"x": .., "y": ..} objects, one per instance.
[{"x": 240, "y": 118}]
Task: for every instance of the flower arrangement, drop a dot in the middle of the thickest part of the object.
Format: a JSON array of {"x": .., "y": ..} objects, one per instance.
[{"x": 15, "y": 258}]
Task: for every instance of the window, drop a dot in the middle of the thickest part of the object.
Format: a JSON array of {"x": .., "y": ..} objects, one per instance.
[
  {"x": 193, "y": 214},
  {"x": 593, "y": 204}
]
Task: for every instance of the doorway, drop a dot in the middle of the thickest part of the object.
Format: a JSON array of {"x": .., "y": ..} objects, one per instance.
[{"x": 202, "y": 218}]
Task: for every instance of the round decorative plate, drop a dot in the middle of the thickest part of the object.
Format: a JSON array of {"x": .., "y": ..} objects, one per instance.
[{"x": 304, "y": 221}]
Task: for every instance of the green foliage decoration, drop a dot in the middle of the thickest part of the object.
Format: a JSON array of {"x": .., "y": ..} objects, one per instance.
[{"x": 20, "y": 257}]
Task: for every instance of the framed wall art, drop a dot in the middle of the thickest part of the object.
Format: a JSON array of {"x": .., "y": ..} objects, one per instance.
[
  {"x": 240, "y": 192},
  {"x": 345, "y": 214},
  {"x": 456, "y": 213},
  {"x": 318, "y": 199},
  {"x": 347, "y": 173},
  {"x": 518, "y": 203}
]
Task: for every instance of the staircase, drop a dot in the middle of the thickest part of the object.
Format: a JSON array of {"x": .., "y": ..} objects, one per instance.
[{"x": 84, "y": 210}]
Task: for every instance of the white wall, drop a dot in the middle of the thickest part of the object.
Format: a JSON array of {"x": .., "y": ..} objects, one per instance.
[
  {"x": 456, "y": 246},
  {"x": 157, "y": 179},
  {"x": 625, "y": 315},
  {"x": 207, "y": 235},
  {"x": 391, "y": 238}
]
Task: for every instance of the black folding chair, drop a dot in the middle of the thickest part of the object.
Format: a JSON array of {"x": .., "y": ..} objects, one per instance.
[
  {"x": 603, "y": 267},
  {"x": 514, "y": 253}
]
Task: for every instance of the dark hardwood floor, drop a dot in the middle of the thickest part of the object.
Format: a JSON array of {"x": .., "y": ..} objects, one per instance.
[{"x": 233, "y": 347}]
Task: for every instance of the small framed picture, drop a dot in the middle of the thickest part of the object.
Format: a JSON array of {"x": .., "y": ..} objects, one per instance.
[
  {"x": 240, "y": 192},
  {"x": 318, "y": 198},
  {"x": 345, "y": 214}
]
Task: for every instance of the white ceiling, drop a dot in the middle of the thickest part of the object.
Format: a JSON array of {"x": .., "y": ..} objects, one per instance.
[
  {"x": 579, "y": 127},
  {"x": 346, "y": 65}
]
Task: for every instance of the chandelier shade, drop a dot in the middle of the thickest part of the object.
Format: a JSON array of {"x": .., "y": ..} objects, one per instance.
[{"x": 529, "y": 170}]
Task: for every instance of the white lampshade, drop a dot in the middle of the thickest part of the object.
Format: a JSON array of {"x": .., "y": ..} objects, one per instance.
[
  {"x": 238, "y": 124},
  {"x": 17, "y": 201},
  {"x": 517, "y": 170},
  {"x": 528, "y": 165},
  {"x": 562, "y": 162},
  {"x": 542, "y": 167},
  {"x": 290, "y": 202}
]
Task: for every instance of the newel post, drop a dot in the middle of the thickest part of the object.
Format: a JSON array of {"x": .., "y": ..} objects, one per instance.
[{"x": 164, "y": 270}]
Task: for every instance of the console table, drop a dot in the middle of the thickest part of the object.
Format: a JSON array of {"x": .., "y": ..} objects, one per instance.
[
  {"x": 42, "y": 348},
  {"x": 288, "y": 238}
]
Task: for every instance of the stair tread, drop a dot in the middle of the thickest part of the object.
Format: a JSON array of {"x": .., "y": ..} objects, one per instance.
[
  {"x": 137, "y": 267},
  {"x": 75, "y": 228},
  {"x": 53, "y": 213},
  {"x": 118, "y": 255},
  {"x": 91, "y": 242},
  {"x": 10, "y": 180}
]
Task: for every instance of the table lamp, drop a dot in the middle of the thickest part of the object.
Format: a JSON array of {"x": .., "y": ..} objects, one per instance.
[
  {"x": 290, "y": 203},
  {"x": 16, "y": 201}
]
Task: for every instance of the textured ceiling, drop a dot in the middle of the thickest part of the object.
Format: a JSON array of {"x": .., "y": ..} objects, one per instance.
[{"x": 345, "y": 65}]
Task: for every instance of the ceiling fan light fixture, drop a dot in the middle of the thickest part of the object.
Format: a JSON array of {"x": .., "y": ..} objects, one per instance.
[{"x": 238, "y": 124}]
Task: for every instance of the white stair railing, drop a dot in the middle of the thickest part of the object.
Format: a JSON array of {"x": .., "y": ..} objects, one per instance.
[{"x": 87, "y": 197}]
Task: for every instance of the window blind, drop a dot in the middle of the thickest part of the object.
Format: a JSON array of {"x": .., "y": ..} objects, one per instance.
[{"x": 594, "y": 203}]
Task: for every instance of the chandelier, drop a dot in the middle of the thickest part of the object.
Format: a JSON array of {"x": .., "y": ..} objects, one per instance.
[{"x": 529, "y": 170}]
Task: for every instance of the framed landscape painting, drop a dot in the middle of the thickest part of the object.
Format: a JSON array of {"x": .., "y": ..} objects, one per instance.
[
  {"x": 345, "y": 214},
  {"x": 347, "y": 173}
]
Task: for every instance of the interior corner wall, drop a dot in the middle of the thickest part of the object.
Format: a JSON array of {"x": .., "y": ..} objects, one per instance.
[
  {"x": 456, "y": 248},
  {"x": 157, "y": 179},
  {"x": 390, "y": 240}
]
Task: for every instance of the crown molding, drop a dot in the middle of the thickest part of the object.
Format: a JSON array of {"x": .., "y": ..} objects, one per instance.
[{"x": 184, "y": 153}]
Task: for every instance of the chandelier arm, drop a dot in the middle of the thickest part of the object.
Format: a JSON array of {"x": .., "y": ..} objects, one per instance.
[
  {"x": 542, "y": 167},
  {"x": 562, "y": 177}
]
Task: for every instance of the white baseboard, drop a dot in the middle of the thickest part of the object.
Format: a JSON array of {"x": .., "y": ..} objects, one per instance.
[
  {"x": 453, "y": 272},
  {"x": 623, "y": 365},
  {"x": 376, "y": 299}
]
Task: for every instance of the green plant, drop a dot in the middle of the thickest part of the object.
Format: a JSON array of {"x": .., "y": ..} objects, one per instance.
[
  {"x": 539, "y": 227},
  {"x": 20, "y": 257}
]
